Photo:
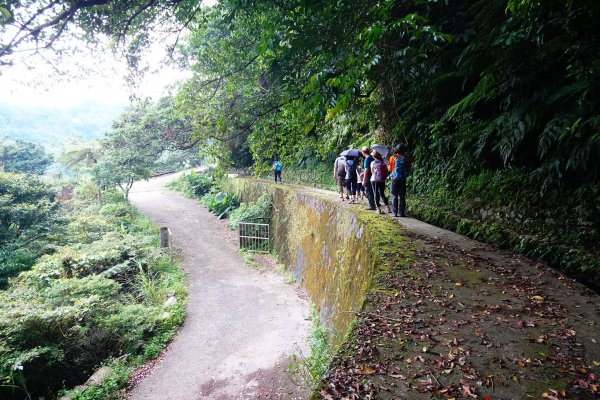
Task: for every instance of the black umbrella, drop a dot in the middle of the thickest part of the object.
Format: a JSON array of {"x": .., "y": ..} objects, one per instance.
[{"x": 350, "y": 153}]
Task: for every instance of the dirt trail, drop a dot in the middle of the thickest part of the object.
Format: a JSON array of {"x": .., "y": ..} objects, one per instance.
[
  {"x": 460, "y": 319},
  {"x": 242, "y": 324}
]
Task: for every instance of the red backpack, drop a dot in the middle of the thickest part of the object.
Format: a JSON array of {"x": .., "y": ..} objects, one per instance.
[{"x": 379, "y": 170}]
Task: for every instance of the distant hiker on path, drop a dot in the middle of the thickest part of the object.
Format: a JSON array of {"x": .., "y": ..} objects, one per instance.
[
  {"x": 339, "y": 175},
  {"x": 277, "y": 169},
  {"x": 399, "y": 167},
  {"x": 379, "y": 173},
  {"x": 366, "y": 181}
]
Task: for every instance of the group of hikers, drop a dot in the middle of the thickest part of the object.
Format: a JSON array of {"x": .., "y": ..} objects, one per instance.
[{"x": 368, "y": 179}]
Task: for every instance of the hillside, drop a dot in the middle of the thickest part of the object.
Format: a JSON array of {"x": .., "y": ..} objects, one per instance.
[{"x": 53, "y": 126}]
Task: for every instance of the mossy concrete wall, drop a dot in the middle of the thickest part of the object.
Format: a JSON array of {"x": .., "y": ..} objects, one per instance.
[{"x": 325, "y": 243}]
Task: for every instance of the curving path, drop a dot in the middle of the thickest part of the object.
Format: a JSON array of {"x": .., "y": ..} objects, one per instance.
[{"x": 241, "y": 326}]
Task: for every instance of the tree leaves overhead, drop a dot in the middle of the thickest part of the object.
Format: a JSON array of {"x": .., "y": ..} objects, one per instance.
[
  {"x": 470, "y": 84},
  {"x": 33, "y": 25}
]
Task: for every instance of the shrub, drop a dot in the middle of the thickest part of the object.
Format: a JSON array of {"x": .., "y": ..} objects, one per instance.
[
  {"x": 251, "y": 212},
  {"x": 219, "y": 203},
  {"x": 102, "y": 294},
  {"x": 192, "y": 184}
]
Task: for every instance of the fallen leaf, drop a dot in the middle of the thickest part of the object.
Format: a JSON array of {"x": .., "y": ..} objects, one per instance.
[
  {"x": 538, "y": 298},
  {"x": 458, "y": 284},
  {"x": 366, "y": 370}
]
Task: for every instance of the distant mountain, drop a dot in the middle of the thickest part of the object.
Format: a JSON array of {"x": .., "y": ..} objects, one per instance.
[{"x": 53, "y": 127}]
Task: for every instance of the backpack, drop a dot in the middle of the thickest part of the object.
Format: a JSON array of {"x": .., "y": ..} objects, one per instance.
[
  {"x": 340, "y": 167},
  {"x": 350, "y": 168},
  {"x": 277, "y": 166},
  {"x": 378, "y": 171},
  {"x": 399, "y": 167}
]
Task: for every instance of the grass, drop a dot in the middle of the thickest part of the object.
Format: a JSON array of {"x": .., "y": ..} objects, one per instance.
[{"x": 309, "y": 370}]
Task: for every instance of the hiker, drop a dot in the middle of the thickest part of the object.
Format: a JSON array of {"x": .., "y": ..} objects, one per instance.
[
  {"x": 339, "y": 175},
  {"x": 360, "y": 189},
  {"x": 366, "y": 180},
  {"x": 351, "y": 177},
  {"x": 399, "y": 167},
  {"x": 277, "y": 169},
  {"x": 379, "y": 172}
]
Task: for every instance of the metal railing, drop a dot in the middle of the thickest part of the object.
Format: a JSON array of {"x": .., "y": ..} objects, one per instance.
[{"x": 254, "y": 236}]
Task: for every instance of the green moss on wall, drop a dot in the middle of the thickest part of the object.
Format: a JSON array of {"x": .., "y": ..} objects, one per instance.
[{"x": 333, "y": 250}]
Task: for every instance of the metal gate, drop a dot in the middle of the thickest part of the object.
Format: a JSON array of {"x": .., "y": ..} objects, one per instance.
[{"x": 254, "y": 236}]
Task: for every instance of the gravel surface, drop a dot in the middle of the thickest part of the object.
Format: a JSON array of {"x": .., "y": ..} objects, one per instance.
[{"x": 242, "y": 323}]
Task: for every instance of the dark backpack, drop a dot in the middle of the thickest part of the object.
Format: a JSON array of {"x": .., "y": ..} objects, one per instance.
[
  {"x": 378, "y": 170},
  {"x": 399, "y": 167},
  {"x": 340, "y": 167},
  {"x": 351, "y": 168}
]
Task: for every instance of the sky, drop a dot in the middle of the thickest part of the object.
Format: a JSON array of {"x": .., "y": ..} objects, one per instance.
[
  {"x": 103, "y": 82},
  {"x": 32, "y": 81}
]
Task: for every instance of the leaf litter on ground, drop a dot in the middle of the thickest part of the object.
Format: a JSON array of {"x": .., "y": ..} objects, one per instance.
[{"x": 467, "y": 321}]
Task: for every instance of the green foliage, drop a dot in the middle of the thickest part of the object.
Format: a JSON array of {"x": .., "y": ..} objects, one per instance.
[
  {"x": 219, "y": 203},
  {"x": 29, "y": 218},
  {"x": 110, "y": 388},
  {"x": 23, "y": 157},
  {"x": 128, "y": 152},
  {"x": 204, "y": 187},
  {"x": 313, "y": 367},
  {"x": 105, "y": 293},
  {"x": 505, "y": 209},
  {"x": 192, "y": 184},
  {"x": 252, "y": 212},
  {"x": 313, "y": 174}
]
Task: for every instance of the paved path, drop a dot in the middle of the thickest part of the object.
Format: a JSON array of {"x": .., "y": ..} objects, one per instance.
[{"x": 241, "y": 325}]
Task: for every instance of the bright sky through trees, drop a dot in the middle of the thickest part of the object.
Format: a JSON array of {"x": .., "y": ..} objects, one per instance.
[{"x": 103, "y": 82}]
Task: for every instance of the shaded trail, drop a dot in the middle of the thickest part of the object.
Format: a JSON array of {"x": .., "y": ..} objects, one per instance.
[{"x": 241, "y": 325}]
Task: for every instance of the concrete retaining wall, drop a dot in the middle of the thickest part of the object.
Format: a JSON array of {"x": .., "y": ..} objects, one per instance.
[{"x": 325, "y": 243}]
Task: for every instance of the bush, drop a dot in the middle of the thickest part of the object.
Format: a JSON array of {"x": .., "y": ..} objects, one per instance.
[
  {"x": 219, "y": 203},
  {"x": 29, "y": 219},
  {"x": 101, "y": 295},
  {"x": 192, "y": 184},
  {"x": 253, "y": 212}
]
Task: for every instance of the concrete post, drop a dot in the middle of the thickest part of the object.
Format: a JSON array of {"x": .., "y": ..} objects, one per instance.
[{"x": 164, "y": 236}]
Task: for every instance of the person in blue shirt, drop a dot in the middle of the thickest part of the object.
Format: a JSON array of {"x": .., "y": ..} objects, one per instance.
[
  {"x": 366, "y": 183},
  {"x": 277, "y": 169}
]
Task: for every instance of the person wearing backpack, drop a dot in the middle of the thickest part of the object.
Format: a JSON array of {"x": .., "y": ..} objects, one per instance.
[
  {"x": 351, "y": 178},
  {"x": 379, "y": 172},
  {"x": 366, "y": 180},
  {"x": 400, "y": 165},
  {"x": 339, "y": 175},
  {"x": 277, "y": 167}
]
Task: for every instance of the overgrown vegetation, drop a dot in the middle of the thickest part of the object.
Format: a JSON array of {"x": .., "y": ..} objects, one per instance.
[
  {"x": 260, "y": 212},
  {"x": 205, "y": 188},
  {"x": 311, "y": 368},
  {"x": 477, "y": 88},
  {"x": 30, "y": 222},
  {"x": 106, "y": 292}
]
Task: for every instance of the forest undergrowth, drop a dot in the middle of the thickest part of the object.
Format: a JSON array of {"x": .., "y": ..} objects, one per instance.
[{"x": 104, "y": 294}]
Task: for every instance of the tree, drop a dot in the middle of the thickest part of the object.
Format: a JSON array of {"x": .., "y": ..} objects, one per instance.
[
  {"x": 23, "y": 157},
  {"x": 129, "y": 150},
  {"x": 39, "y": 27},
  {"x": 28, "y": 217}
]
